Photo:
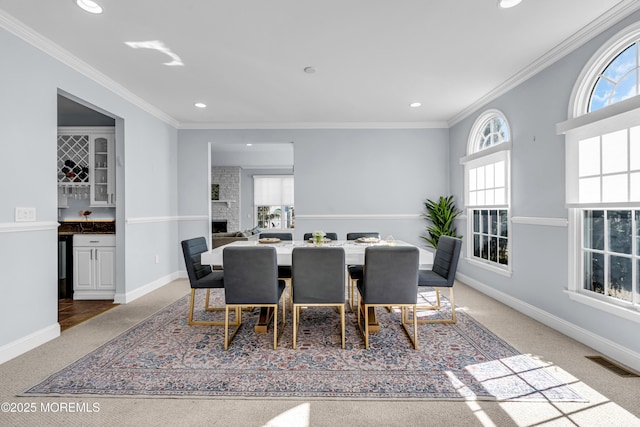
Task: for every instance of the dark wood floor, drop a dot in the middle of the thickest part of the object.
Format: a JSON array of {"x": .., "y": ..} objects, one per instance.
[{"x": 71, "y": 312}]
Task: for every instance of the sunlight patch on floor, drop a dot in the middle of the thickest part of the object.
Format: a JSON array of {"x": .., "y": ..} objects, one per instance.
[{"x": 297, "y": 416}]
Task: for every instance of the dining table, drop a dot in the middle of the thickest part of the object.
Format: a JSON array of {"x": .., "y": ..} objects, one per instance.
[{"x": 354, "y": 252}]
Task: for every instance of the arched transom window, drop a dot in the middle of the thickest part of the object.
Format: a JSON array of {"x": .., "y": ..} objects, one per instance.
[
  {"x": 491, "y": 129},
  {"x": 617, "y": 81}
]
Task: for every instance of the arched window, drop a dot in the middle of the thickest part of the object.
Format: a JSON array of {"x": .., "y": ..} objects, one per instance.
[
  {"x": 617, "y": 81},
  {"x": 603, "y": 178},
  {"x": 487, "y": 182},
  {"x": 490, "y": 129}
]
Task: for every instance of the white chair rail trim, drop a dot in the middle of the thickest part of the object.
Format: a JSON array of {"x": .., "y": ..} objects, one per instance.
[
  {"x": 360, "y": 216},
  {"x": 13, "y": 227},
  {"x": 549, "y": 222},
  {"x": 142, "y": 220}
]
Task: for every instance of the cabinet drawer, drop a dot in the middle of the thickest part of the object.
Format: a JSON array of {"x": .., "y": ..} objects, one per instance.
[{"x": 94, "y": 240}]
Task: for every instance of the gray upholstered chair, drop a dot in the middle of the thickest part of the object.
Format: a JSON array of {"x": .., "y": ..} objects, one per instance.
[
  {"x": 281, "y": 236},
  {"x": 355, "y": 271},
  {"x": 284, "y": 271},
  {"x": 442, "y": 275},
  {"x": 390, "y": 279},
  {"x": 317, "y": 280},
  {"x": 358, "y": 234},
  {"x": 201, "y": 277},
  {"x": 251, "y": 280},
  {"x": 332, "y": 236}
]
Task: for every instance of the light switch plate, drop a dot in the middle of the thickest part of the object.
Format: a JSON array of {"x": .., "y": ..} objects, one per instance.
[{"x": 25, "y": 214}]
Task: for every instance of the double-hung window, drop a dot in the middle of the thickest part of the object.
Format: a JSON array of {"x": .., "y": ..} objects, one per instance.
[
  {"x": 487, "y": 179},
  {"x": 273, "y": 201},
  {"x": 603, "y": 178}
]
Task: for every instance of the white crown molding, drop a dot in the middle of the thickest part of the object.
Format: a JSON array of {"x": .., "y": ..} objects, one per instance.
[
  {"x": 34, "y": 38},
  {"x": 12, "y": 227},
  {"x": 603, "y": 22},
  {"x": 318, "y": 125}
]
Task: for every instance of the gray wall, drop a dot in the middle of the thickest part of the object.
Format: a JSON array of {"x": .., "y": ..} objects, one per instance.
[
  {"x": 540, "y": 252},
  {"x": 345, "y": 180},
  {"x": 147, "y": 192}
]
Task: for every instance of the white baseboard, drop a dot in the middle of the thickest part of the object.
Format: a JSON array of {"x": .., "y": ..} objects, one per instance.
[
  {"x": 607, "y": 347},
  {"x": 127, "y": 297},
  {"x": 29, "y": 342}
]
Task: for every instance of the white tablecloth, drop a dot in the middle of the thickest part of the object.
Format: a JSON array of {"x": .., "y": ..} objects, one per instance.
[{"x": 354, "y": 252}]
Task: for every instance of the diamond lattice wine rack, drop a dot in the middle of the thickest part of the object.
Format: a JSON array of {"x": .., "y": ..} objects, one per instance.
[{"x": 73, "y": 160}]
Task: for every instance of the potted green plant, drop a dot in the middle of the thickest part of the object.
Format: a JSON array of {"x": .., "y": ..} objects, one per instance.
[{"x": 440, "y": 214}]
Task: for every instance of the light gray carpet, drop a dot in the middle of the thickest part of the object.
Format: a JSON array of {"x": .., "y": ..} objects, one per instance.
[{"x": 612, "y": 401}]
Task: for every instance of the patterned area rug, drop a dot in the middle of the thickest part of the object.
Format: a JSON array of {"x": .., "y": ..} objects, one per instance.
[{"x": 164, "y": 356}]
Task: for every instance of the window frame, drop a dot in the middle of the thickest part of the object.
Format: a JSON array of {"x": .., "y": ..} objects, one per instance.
[
  {"x": 476, "y": 157},
  {"x": 583, "y": 124},
  {"x": 284, "y": 200}
]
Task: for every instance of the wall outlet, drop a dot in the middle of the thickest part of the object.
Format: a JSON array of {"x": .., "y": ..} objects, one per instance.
[
  {"x": 157, "y": 259},
  {"x": 25, "y": 214}
]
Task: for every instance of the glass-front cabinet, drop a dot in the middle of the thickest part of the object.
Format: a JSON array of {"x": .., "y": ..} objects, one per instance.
[
  {"x": 86, "y": 165},
  {"x": 102, "y": 184}
]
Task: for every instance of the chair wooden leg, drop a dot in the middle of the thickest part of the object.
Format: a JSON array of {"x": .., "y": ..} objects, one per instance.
[
  {"x": 190, "y": 320},
  {"x": 366, "y": 327},
  {"x": 276, "y": 334},
  {"x": 193, "y": 295},
  {"x": 226, "y": 327},
  {"x": 227, "y": 338},
  {"x": 412, "y": 337},
  {"x": 275, "y": 327},
  {"x": 415, "y": 328},
  {"x": 342, "y": 322},
  {"x": 295, "y": 324},
  {"x": 452, "y": 319}
]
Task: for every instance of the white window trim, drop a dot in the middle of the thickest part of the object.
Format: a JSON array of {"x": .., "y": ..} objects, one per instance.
[
  {"x": 475, "y": 159},
  {"x": 580, "y": 125},
  {"x": 575, "y": 292},
  {"x": 579, "y": 101}
]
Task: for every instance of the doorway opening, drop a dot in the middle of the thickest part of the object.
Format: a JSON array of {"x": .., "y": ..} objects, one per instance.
[{"x": 86, "y": 177}]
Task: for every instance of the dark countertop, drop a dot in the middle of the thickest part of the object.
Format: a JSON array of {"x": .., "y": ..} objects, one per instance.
[{"x": 87, "y": 227}]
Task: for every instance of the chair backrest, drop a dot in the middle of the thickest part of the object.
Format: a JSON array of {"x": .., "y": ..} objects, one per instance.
[
  {"x": 250, "y": 275},
  {"x": 191, "y": 249},
  {"x": 332, "y": 236},
  {"x": 390, "y": 275},
  {"x": 318, "y": 275},
  {"x": 359, "y": 234},
  {"x": 281, "y": 236},
  {"x": 446, "y": 259}
]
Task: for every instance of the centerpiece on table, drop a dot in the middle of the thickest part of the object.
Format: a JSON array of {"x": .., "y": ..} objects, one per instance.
[{"x": 318, "y": 237}]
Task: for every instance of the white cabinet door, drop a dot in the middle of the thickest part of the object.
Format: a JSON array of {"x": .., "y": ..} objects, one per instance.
[
  {"x": 105, "y": 268},
  {"x": 83, "y": 269},
  {"x": 94, "y": 266},
  {"x": 102, "y": 178}
]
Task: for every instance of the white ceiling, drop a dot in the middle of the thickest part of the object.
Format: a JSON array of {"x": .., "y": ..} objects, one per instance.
[{"x": 245, "y": 59}]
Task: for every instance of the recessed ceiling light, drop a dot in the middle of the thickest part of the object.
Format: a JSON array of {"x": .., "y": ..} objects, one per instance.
[
  {"x": 309, "y": 70},
  {"x": 200, "y": 105},
  {"x": 415, "y": 104},
  {"x": 89, "y": 6},
  {"x": 249, "y": 145},
  {"x": 506, "y": 4}
]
